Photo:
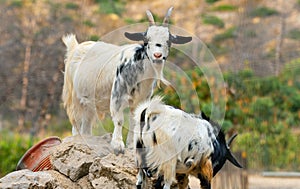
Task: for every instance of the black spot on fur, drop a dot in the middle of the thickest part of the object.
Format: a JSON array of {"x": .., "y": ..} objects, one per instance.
[
  {"x": 132, "y": 91},
  {"x": 192, "y": 144},
  {"x": 139, "y": 144},
  {"x": 120, "y": 69},
  {"x": 205, "y": 184},
  {"x": 185, "y": 160},
  {"x": 139, "y": 53},
  {"x": 209, "y": 132},
  {"x": 153, "y": 118},
  {"x": 142, "y": 119},
  {"x": 148, "y": 124},
  {"x": 154, "y": 138}
]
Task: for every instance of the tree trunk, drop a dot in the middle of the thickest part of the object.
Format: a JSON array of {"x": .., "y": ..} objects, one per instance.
[{"x": 25, "y": 81}]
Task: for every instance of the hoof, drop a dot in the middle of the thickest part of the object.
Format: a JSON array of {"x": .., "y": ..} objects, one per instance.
[{"x": 118, "y": 146}]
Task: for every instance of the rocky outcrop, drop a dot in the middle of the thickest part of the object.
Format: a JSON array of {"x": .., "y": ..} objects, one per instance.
[{"x": 80, "y": 162}]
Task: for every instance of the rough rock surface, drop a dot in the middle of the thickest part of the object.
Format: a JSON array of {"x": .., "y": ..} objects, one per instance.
[{"x": 80, "y": 162}]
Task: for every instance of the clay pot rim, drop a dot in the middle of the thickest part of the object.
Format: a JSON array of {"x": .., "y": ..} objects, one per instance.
[{"x": 34, "y": 148}]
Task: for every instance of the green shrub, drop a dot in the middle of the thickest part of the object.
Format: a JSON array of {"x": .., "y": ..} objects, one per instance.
[
  {"x": 211, "y": 1},
  {"x": 89, "y": 23},
  {"x": 263, "y": 12},
  {"x": 72, "y": 6},
  {"x": 225, "y": 7},
  {"x": 108, "y": 7},
  {"x": 228, "y": 34},
  {"x": 12, "y": 148},
  {"x": 213, "y": 20},
  {"x": 16, "y": 3},
  {"x": 294, "y": 34}
]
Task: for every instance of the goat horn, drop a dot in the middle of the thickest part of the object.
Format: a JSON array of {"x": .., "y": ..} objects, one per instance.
[
  {"x": 150, "y": 18},
  {"x": 231, "y": 139},
  {"x": 167, "y": 17}
]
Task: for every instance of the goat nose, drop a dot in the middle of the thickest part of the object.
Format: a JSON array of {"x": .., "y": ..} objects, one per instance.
[{"x": 157, "y": 55}]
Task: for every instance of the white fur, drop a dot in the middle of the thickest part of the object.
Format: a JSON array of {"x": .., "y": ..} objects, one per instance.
[{"x": 174, "y": 130}]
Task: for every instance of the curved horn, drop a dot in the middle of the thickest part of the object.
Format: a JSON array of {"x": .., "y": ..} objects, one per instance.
[
  {"x": 150, "y": 18},
  {"x": 231, "y": 139},
  {"x": 167, "y": 17}
]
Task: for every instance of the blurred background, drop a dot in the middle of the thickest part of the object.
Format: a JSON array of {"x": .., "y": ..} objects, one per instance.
[{"x": 255, "y": 43}]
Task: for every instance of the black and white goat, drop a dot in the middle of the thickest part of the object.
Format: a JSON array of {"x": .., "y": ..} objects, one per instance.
[
  {"x": 169, "y": 141},
  {"x": 101, "y": 77}
]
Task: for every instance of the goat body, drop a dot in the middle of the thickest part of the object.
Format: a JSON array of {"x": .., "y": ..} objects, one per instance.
[
  {"x": 169, "y": 141},
  {"x": 102, "y": 77}
]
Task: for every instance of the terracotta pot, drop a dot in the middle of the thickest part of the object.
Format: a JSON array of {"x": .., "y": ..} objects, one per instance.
[{"x": 37, "y": 158}]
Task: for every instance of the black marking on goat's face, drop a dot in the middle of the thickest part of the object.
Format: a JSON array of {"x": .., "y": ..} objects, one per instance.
[
  {"x": 221, "y": 154},
  {"x": 157, "y": 43}
]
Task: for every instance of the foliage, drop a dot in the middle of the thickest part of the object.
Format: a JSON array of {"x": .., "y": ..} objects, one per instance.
[
  {"x": 227, "y": 34},
  {"x": 213, "y": 20},
  {"x": 12, "y": 143},
  {"x": 224, "y": 7},
  {"x": 263, "y": 12},
  {"x": 71, "y": 5},
  {"x": 264, "y": 111},
  {"x": 294, "y": 34},
  {"x": 211, "y": 1},
  {"x": 111, "y": 6}
]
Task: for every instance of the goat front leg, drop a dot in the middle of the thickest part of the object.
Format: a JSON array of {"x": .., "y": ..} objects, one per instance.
[
  {"x": 206, "y": 174},
  {"x": 141, "y": 182},
  {"x": 182, "y": 181},
  {"x": 129, "y": 140},
  {"x": 117, "y": 139},
  {"x": 169, "y": 172}
]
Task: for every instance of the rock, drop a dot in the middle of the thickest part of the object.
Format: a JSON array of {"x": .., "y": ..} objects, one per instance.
[
  {"x": 113, "y": 171},
  {"x": 44, "y": 179},
  {"x": 80, "y": 162},
  {"x": 76, "y": 154}
]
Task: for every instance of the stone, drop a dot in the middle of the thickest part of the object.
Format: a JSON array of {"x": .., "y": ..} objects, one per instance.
[
  {"x": 80, "y": 162},
  {"x": 76, "y": 154},
  {"x": 44, "y": 179}
]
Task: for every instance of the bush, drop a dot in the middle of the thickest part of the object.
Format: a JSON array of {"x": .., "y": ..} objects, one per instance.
[
  {"x": 213, "y": 20},
  {"x": 228, "y": 34},
  {"x": 222, "y": 8},
  {"x": 12, "y": 148},
  {"x": 263, "y": 12}
]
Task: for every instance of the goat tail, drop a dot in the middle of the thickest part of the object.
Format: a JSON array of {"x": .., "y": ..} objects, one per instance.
[
  {"x": 71, "y": 44},
  {"x": 70, "y": 41}
]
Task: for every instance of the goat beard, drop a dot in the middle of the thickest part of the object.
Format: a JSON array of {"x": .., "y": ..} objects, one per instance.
[{"x": 158, "y": 68}]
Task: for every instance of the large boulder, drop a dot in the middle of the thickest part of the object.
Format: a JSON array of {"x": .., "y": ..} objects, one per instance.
[{"x": 80, "y": 162}]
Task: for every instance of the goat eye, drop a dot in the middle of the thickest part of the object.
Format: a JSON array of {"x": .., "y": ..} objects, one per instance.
[{"x": 158, "y": 45}]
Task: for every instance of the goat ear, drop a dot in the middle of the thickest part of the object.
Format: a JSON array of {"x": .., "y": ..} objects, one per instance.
[
  {"x": 177, "y": 39},
  {"x": 233, "y": 160},
  {"x": 135, "y": 36}
]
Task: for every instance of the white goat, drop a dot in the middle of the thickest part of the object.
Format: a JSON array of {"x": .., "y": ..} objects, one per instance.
[
  {"x": 101, "y": 77},
  {"x": 169, "y": 141}
]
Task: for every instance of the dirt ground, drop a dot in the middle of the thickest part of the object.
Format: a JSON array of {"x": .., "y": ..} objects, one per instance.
[{"x": 260, "y": 182}]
